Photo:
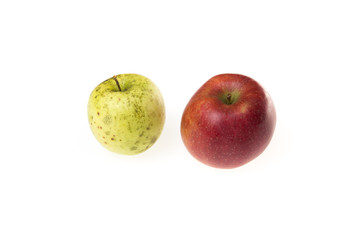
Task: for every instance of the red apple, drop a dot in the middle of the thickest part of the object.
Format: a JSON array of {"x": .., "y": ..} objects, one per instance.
[{"x": 229, "y": 121}]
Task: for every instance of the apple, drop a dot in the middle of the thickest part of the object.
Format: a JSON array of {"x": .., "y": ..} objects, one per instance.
[
  {"x": 228, "y": 122},
  {"x": 126, "y": 113}
]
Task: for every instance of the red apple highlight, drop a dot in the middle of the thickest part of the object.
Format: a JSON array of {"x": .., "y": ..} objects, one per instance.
[{"x": 229, "y": 121}]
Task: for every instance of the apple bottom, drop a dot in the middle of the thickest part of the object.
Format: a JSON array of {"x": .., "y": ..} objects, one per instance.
[
  {"x": 226, "y": 157},
  {"x": 226, "y": 147}
]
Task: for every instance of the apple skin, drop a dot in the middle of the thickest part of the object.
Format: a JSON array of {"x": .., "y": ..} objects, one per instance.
[
  {"x": 228, "y": 122},
  {"x": 127, "y": 121}
]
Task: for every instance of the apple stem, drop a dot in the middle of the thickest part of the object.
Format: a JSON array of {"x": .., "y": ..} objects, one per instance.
[
  {"x": 228, "y": 98},
  {"x": 117, "y": 83}
]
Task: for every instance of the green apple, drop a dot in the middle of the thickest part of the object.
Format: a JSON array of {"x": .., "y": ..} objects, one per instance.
[{"x": 126, "y": 113}]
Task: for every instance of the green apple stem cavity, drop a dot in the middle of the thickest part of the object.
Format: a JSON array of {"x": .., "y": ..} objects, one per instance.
[{"x": 230, "y": 98}]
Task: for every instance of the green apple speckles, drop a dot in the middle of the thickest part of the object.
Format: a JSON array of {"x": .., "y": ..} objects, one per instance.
[{"x": 126, "y": 113}]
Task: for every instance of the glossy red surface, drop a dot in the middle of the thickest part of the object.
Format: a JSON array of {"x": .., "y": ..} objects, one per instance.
[{"x": 228, "y": 135}]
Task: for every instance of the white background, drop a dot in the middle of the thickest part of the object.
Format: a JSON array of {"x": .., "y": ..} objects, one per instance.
[{"x": 57, "y": 182}]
